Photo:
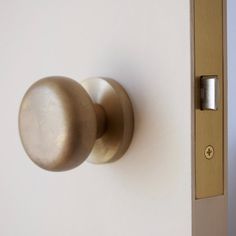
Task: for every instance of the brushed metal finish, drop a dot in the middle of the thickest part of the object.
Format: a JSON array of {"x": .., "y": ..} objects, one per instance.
[
  {"x": 119, "y": 119},
  {"x": 209, "y": 126},
  {"x": 209, "y": 86},
  {"x": 59, "y": 123}
]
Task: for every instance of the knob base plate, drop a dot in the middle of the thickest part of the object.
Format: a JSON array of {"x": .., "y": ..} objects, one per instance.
[{"x": 119, "y": 119}]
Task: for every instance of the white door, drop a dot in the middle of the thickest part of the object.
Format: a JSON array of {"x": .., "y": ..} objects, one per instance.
[{"x": 146, "y": 45}]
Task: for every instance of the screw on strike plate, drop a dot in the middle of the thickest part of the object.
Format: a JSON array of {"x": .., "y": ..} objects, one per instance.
[{"x": 209, "y": 152}]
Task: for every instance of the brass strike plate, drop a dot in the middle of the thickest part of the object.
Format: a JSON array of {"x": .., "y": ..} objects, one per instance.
[{"x": 209, "y": 124}]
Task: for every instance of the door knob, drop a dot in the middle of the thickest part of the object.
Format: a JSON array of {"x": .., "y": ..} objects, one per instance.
[{"x": 62, "y": 123}]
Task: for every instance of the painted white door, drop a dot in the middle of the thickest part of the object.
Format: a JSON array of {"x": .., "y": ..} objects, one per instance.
[{"x": 146, "y": 46}]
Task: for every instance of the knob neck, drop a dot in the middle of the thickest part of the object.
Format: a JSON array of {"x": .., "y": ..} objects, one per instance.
[{"x": 101, "y": 120}]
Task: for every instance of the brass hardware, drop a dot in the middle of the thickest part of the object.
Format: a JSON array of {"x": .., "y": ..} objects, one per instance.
[
  {"x": 209, "y": 125},
  {"x": 63, "y": 123},
  {"x": 209, "y": 86},
  {"x": 209, "y": 152}
]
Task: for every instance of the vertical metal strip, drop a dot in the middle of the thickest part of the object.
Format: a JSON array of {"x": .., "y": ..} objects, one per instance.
[{"x": 209, "y": 125}]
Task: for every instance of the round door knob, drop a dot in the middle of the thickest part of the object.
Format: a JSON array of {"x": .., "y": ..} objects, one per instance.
[{"x": 62, "y": 123}]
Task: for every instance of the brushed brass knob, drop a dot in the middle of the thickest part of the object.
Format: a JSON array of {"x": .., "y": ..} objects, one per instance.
[{"x": 62, "y": 123}]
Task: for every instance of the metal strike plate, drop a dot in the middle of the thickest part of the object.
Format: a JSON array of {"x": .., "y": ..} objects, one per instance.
[{"x": 209, "y": 97}]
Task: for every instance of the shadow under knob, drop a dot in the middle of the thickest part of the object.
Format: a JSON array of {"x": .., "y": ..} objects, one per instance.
[{"x": 62, "y": 123}]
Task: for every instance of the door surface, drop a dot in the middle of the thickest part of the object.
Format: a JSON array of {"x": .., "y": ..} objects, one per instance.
[{"x": 146, "y": 46}]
